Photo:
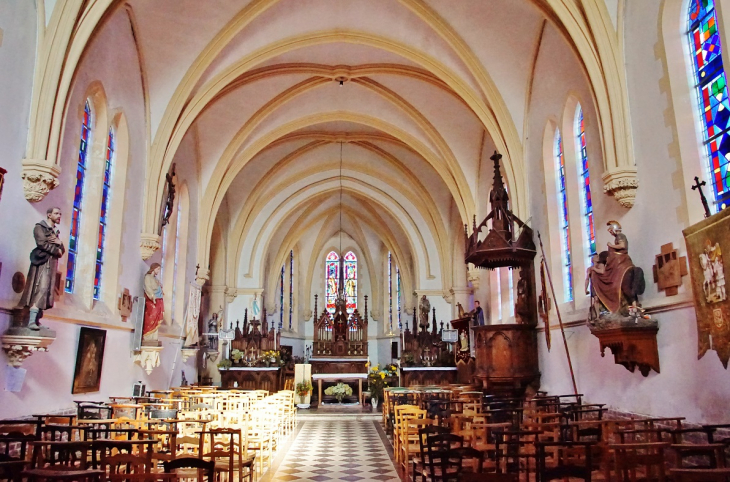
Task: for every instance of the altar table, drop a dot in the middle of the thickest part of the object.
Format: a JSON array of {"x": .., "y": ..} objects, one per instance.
[{"x": 336, "y": 377}]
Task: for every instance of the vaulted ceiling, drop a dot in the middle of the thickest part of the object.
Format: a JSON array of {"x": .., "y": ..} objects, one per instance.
[{"x": 393, "y": 106}]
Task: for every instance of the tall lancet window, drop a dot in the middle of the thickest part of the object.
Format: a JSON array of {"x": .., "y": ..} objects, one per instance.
[
  {"x": 291, "y": 288},
  {"x": 332, "y": 279},
  {"x": 397, "y": 274},
  {"x": 563, "y": 213},
  {"x": 281, "y": 299},
  {"x": 105, "y": 193},
  {"x": 351, "y": 281},
  {"x": 78, "y": 199},
  {"x": 712, "y": 96},
  {"x": 585, "y": 181}
]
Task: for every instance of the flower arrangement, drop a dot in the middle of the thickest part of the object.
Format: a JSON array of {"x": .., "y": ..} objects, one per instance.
[
  {"x": 340, "y": 391},
  {"x": 225, "y": 364},
  {"x": 236, "y": 355},
  {"x": 378, "y": 379},
  {"x": 270, "y": 357},
  {"x": 303, "y": 388}
]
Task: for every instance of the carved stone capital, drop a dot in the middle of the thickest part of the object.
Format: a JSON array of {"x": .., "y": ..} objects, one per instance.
[
  {"x": 308, "y": 314},
  {"x": 18, "y": 347},
  {"x": 39, "y": 177},
  {"x": 148, "y": 245},
  {"x": 202, "y": 277},
  {"x": 622, "y": 184},
  {"x": 148, "y": 358},
  {"x": 231, "y": 294},
  {"x": 473, "y": 276}
]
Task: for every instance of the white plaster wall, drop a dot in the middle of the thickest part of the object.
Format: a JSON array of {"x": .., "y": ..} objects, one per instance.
[
  {"x": 110, "y": 59},
  {"x": 686, "y": 386}
]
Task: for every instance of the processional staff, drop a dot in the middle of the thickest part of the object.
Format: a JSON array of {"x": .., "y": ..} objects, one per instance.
[
  {"x": 698, "y": 186},
  {"x": 560, "y": 320}
]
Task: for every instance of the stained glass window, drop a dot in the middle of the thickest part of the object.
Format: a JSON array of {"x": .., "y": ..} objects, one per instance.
[
  {"x": 78, "y": 199},
  {"x": 584, "y": 176},
  {"x": 351, "y": 281},
  {"x": 105, "y": 193},
  {"x": 281, "y": 300},
  {"x": 291, "y": 287},
  {"x": 712, "y": 95},
  {"x": 332, "y": 278},
  {"x": 397, "y": 274},
  {"x": 390, "y": 292},
  {"x": 563, "y": 214}
]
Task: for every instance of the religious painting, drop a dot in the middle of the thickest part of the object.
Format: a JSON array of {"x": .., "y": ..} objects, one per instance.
[
  {"x": 89, "y": 360},
  {"x": 706, "y": 242}
]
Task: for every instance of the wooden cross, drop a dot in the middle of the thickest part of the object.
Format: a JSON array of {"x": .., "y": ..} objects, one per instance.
[{"x": 698, "y": 186}]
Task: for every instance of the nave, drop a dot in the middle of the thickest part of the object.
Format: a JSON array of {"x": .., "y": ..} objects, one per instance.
[{"x": 340, "y": 447}]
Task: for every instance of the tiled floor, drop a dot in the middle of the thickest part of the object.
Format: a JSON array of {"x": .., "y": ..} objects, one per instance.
[{"x": 329, "y": 450}]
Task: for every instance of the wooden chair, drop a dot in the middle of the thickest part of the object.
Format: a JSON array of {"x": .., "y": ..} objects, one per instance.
[
  {"x": 640, "y": 461},
  {"x": 700, "y": 475},
  {"x": 202, "y": 467},
  {"x": 419, "y": 464},
  {"x": 444, "y": 466},
  {"x": 60, "y": 455},
  {"x": 118, "y": 467},
  {"x": 410, "y": 443},
  {"x": 488, "y": 477},
  {"x": 568, "y": 461},
  {"x": 73, "y": 475},
  {"x": 226, "y": 450}
]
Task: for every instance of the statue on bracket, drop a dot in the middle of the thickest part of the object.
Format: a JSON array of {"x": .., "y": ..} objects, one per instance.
[
  {"x": 615, "y": 280},
  {"x": 154, "y": 308},
  {"x": 615, "y": 316},
  {"x": 38, "y": 294}
]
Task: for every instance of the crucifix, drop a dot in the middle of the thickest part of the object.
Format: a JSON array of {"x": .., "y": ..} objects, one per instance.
[{"x": 698, "y": 186}]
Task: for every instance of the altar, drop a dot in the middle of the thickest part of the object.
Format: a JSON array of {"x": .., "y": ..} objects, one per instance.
[
  {"x": 252, "y": 378},
  {"x": 420, "y": 376},
  {"x": 339, "y": 377}
]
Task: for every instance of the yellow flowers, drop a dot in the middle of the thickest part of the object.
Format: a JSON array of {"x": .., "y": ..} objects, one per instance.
[{"x": 382, "y": 375}]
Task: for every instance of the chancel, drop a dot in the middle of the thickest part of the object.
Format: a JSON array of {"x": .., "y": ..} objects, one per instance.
[{"x": 364, "y": 240}]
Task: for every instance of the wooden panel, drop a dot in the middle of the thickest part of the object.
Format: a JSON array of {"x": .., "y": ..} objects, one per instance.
[
  {"x": 251, "y": 379},
  {"x": 425, "y": 376},
  {"x": 506, "y": 358},
  {"x": 338, "y": 366}
]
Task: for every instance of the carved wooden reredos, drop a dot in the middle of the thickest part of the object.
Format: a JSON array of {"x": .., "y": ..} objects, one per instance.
[
  {"x": 340, "y": 335},
  {"x": 255, "y": 336}
]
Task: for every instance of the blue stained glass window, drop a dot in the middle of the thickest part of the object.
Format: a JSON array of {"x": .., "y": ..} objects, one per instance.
[
  {"x": 281, "y": 300},
  {"x": 291, "y": 287},
  {"x": 390, "y": 292},
  {"x": 397, "y": 274},
  {"x": 105, "y": 193},
  {"x": 712, "y": 95},
  {"x": 563, "y": 213},
  {"x": 78, "y": 199},
  {"x": 584, "y": 176}
]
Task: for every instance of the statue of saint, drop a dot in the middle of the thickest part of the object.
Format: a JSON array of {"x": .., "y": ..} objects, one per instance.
[
  {"x": 614, "y": 275},
  {"x": 425, "y": 310},
  {"x": 464, "y": 340},
  {"x": 38, "y": 292},
  {"x": 478, "y": 314},
  {"x": 154, "y": 308}
]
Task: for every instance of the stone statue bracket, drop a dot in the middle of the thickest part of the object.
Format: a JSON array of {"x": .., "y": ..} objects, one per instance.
[
  {"x": 19, "y": 342},
  {"x": 148, "y": 358}
]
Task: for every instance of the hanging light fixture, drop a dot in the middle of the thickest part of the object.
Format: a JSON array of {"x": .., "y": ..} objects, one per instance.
[{"x": 341, "y": 302}]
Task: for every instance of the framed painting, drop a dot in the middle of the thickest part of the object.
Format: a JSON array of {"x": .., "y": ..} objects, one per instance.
[
  {"x": 707, "y": 241},
  {"x": 89, "y": 360}
]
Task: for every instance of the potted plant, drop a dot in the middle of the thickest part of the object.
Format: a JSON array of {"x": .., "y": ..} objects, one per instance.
[
  {"x": 340, "y": 391},
  {"x": 224, "y": 364},
  {"x": 377, "y": 380},
  {"x": 302, "y": 390},
  {"x": 236, "y": 356}
]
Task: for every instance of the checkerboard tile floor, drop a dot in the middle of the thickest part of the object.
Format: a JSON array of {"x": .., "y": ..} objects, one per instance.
[{"x": 349, "y": 450}]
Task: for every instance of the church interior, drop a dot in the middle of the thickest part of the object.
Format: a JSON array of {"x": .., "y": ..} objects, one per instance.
[{"x": 311, "y": 218}]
